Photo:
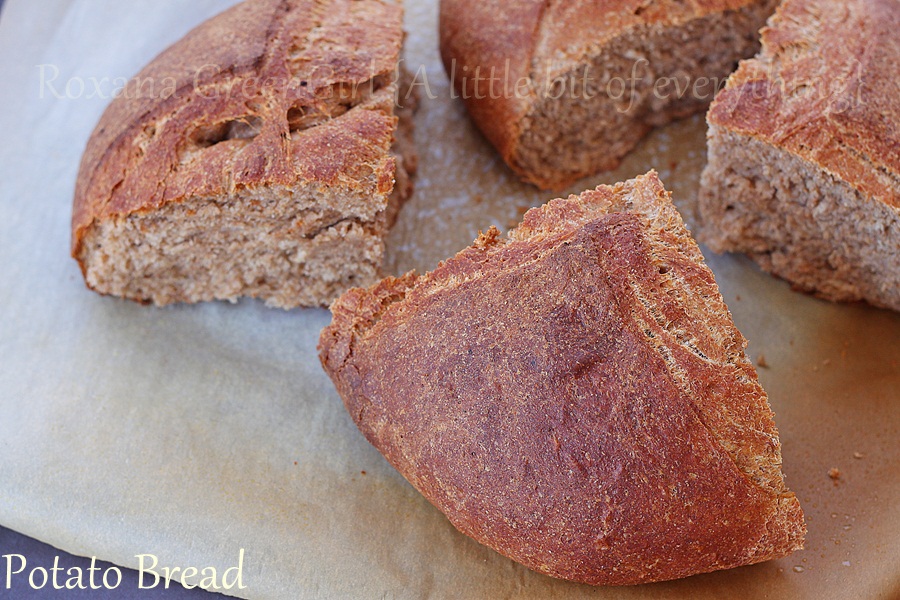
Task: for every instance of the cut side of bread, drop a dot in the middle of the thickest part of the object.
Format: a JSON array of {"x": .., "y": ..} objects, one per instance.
[
  {"x": 566, "y": 89},
  {"x": 575, "y": 396},
  {"x": 804, "y": 153},
  {"x": 259, "y": 156}
]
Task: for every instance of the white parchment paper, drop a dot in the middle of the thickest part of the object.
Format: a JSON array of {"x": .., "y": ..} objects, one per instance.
[{"x": 193, "y": 432}]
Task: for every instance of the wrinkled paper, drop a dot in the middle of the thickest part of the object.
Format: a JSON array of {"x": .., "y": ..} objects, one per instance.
[{"x": 193, "y": 432}]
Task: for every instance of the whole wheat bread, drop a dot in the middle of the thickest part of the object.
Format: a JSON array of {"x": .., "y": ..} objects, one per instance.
[
  {"x": 804, "y": 152},
  {"x": 566, "y": 89},
  {"x": 252, "y": 158},
  {"x": 575, "y": 396}
]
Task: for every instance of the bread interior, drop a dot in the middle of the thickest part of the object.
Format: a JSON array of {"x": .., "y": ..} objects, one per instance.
[
  {"x": 584, "y": 120},
  {"x": 277, "y": 244},
  {"x": 799, "y": 222}
]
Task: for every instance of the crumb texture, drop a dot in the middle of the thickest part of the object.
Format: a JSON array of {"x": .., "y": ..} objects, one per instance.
[
  {"x": 575, "y": 395},
  {"x": 268, "y": 170},
  {"x": 804, "y": 153},
  {"x": 599, "y": 75}
]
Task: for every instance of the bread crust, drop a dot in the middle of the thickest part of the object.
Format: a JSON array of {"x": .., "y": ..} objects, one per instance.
[
  {"x": 576, "y": 396},
  {"x": 517, "y": 40},
  {"x": 804, "y": 153},
  {"x": 472, "y": 35},
  {"x": 834, "y": 104},
  {"x": 260, "y": 67}
]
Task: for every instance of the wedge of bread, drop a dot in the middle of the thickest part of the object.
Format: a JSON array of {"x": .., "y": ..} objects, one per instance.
[
  {"x": 566, "y": 89},
  {"x": 252, "y": 158},
  {"x": 804, "y": 152},
  {"x": 575, "y": 396}
]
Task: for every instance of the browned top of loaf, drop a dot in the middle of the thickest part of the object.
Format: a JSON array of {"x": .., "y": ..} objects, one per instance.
[
  {"x": 824, "y": 87},
  {"x": 250, "y": 66},
  {"x": 519, "y": 39},
  {"x": 576, "y": 397}
]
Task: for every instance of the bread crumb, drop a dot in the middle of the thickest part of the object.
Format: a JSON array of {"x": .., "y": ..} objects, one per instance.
[
  {"x": 858, "y": 455},
  {"x": 362, "y": 472},
  {"x": 761, "y": 361},
  {"x": 488, "y": 238},
  {"x": 835, "y": 474}
]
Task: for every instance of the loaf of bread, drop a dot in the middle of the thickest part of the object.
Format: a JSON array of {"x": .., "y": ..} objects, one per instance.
[
  {"x": 252, "y": 158},
  {"x": 566, "y": 89},
  {"x": 804, "y": 152},
  {"x": 575, "y": 396}
]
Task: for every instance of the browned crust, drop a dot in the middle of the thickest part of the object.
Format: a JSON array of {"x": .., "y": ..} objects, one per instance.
[
  {"x": 575, "y": 396},
  {"x": 511, "y": 40},
  {"x": 497, "y": 35},
  {"x": 237, "y": 67},
  {"x": 570, "y": 30},
  {"x": 824, "y": 88}
]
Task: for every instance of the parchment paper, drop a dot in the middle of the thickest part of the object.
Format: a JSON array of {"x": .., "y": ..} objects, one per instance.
[{"x": 194, "y": 431}]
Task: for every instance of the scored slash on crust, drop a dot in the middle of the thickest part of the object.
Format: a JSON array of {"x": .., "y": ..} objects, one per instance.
[{"x": 274, "y": 171}]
